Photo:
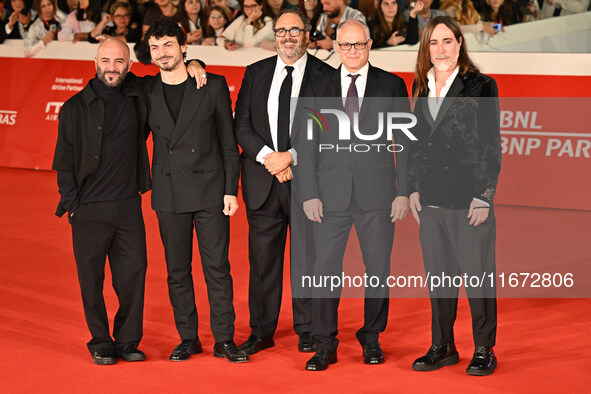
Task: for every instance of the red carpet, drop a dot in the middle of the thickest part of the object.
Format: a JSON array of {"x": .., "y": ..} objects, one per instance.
[{"x": 542, "y": 344}]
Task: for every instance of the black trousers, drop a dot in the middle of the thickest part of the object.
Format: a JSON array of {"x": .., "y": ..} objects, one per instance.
[
  {"x": 376, "y": 236},
  {"x": 114, "y": 229},
  {"x": 451, "y": 246},
  {"x": 266, "y": 249},
  {"x": 213, "y": 236}
]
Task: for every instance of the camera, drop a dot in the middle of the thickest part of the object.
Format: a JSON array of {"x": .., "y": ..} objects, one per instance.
[
  {"x": 316, "y": 35},
  {"x": 497, "y": 26}
]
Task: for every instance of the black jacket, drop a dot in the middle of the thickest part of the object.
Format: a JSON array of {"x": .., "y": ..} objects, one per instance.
[
  {"x": 458, "y": 155},
  {"x": 195, "y": 159},
  {"x": 252, "y": 128},
  {"x": 80, "y": 133}
]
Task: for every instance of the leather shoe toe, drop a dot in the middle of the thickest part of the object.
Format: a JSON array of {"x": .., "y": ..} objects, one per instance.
[
  {"x": 321, "y": 360},
  {"x": 437, "y": 356},
  {"x": 184, "y": 351},
  {"x": 373, "y": 354},
  {"x": 255, "y": 344},
  {"x": 230, "y": 351},
  {"x": 483, "y": 362},
  {"x": 130, "y": 352},
  {"x": 104, "y": 356}
]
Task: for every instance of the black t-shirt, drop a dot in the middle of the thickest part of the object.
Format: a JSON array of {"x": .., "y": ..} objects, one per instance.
[{"x": 173, "y": 96}]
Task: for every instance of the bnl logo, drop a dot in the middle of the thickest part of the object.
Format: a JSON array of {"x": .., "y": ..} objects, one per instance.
[{"x": 392, "y": 122}]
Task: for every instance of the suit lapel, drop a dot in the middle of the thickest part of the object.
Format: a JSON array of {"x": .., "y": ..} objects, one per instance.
[
  {"x": 189, "y": 107},
  {"x": 265, "y": 83},
  {"x": 454, "y": 90},
  {"x": 160, "y": 109},
  {"x": 371, "y": 89}
]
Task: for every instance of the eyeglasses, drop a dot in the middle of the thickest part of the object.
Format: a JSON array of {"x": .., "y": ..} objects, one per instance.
[
  {"x": 121, "y": 16},
  {"x": 345, "y": 46},
  {"x": 294, "y": 32}
]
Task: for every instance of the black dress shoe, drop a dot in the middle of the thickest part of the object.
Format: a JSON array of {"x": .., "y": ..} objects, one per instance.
[
  {"x": 483, "y": 362},
  {"x": 438, "y": 356},
  {"x": 104, "y": 357},
  {"x": 321, "y": 360},
  {"x": 230, "y": 351},
  {"x": 255, "y": 344},
  {"x": 130, "y": 353},
  {"x": 306, "y": 342},
  {"x": 373, "y": 354},
  {"x": 183, "y": 351}
]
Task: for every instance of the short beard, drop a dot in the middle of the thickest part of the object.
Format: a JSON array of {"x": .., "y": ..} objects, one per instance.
[
  {"x": 333, "y": 13},
  {"x": 297, "y": 53},
  {"x": 102, "y": 77},
  {"x": 169, "y": 67}
]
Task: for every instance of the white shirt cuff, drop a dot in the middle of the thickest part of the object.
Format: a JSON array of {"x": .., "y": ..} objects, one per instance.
[
  {"x": 294, "y": 156},
  {"x": 484, "y": 202},
  {"x": 265, "y": 150}
]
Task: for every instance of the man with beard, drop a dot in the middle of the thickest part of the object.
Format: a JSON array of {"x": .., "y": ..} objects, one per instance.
[
  {"x": 102, "y": 163},
  {"x": 453, "y": 173},
  {"x": 195, "y": 175},
  {"x": 335, "y": 13},
  {"x": 263, "y": 130}
]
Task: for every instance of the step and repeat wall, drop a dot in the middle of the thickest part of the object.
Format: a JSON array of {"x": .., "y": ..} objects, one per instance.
[{"x": 544, "y": 98}]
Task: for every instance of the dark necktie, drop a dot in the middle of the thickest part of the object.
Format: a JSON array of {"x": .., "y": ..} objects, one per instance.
[
  {"x": 283, "y": 143},
  {"x": 352, "y": 100}
]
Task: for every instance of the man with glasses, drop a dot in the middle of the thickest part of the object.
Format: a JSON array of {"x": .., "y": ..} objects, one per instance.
[
  {"x": 346, "y": 186},
  {"x": 263, "y": 129}
]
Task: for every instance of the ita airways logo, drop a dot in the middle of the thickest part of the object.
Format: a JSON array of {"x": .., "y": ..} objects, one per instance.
[
  {"x": 318, "y": 118},
  {"x": 52, "y": 110},
  {"x": 8, "y": 118}
]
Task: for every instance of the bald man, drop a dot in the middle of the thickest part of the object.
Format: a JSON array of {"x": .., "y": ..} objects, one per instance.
[{"x": 102, "y": 167}]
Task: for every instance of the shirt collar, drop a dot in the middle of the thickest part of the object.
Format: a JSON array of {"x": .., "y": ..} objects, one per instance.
[
  {"x": 362, "y": 72},
  {"x": 448, "y": 82},
  {"x": 298, "y": 67}
]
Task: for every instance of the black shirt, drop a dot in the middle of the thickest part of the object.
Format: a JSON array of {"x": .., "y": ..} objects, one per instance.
[
  {"x": 173, "y": 96},
  {"x": 116, "y": 177}
]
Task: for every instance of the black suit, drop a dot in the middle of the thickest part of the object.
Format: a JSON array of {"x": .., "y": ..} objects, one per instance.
[
  {"x": 458, "y": 158},
  {"x": 269, "y": 205},
  {"x": 195, "y": 164},
  {"x": 355, "y": 188}
]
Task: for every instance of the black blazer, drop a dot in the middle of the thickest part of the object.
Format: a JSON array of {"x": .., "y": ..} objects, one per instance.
[
  {"x": 252, "y": 123},
  {"x": 458, "y": 155},
  {"x": 378, "y": 176},
  {"x": 195, "y": 161}
]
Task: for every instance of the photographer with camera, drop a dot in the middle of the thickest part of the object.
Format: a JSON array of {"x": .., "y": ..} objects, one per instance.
[{"x": 335, "y": 13}]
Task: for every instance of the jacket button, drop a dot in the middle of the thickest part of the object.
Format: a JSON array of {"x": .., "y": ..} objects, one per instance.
[
  {"x": 96, "y": 157},
  {"x": 447, "y": 146},
  {"x": 193, "y": 150},
  {"x": 446, "y": 168},
  {"x": 430, "y": 144},
  {"x": 100, "y": 128},
  {"x": 170, "y": 151}
]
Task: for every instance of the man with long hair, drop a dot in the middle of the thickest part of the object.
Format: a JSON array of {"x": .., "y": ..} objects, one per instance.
[{"x": 453, "y": 172}]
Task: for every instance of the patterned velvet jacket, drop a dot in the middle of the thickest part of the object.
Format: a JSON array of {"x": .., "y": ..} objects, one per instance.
[{"x": 458, "y": 155}]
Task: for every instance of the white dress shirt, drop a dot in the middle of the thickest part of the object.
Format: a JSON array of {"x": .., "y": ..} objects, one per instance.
[
  {"x": 435, "y": 101},
  {"x": 279, "y": 75},
  {"x": 360, "y": 83}
]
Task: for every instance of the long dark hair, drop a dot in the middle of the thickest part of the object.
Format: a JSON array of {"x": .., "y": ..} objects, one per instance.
[
  {"x": 92, "y": 13},
  {"x": 208, "y": 30},
  {"x": 381, "y": 29},
  {"x": 184, "y": 17},
  {"x": 259, "y": 23},
  {"x": 424, "y": 56}
]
